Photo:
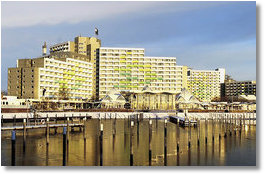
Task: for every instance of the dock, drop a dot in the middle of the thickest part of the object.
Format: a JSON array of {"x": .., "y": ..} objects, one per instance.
[
  {"x": 5, "y": 128},
  {"x": 182, "y": 122}
]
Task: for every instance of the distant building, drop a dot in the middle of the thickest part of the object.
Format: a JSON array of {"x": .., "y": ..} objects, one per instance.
[
  {"x": 234, "y": 89},
  {"x": 205, "y": 85}
]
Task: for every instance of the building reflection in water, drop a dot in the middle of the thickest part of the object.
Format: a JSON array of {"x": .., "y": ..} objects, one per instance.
[{"x": 116, "y": 145}]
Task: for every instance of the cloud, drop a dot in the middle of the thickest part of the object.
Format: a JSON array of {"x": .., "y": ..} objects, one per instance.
[{"x": 23, "y": 14}]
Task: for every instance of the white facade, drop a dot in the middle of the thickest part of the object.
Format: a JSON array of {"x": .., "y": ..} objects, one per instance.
[
  {"x": 205, "y": 84},
  {"x": 72, "y": 75},
  {"x": 128, "y": 69}
]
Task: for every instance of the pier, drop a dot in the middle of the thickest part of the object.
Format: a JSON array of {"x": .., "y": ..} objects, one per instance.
[{"x": 5, "y": 128}]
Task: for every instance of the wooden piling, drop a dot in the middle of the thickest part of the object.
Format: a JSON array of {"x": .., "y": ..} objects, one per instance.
[
  {"x": 165, "y": 143},
  {"x": 189, "y": 134},
  {"x": 13, "y": 148},
  {"x": 213, "y": 130},
  {"x": 64, "y": 145},
  {"x": 150, "y": 142},
  {"x": 56, "y": 121},
  {"x": 67, "y": 133},
  {"x": 14, "y": 120},
  {"x": 138, "y": 131},
  {"x": 131, "y": 144},
  {"x": 206, "y": 130},
  {"x": 84, "y": 128},
  {"x": 101, "y": 145},
  {"x": 24, "y": 135},
  {"x": 47, "y": 131},
  {"x": 198, "y": 134},
  {"x": 177, "y": 140}
]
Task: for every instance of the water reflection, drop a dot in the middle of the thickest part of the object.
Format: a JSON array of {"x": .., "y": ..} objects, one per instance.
[{"x": 185, "y": 146}]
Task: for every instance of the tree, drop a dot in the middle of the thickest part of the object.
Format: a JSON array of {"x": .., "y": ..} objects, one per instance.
[{"x": 63, "y": 93}]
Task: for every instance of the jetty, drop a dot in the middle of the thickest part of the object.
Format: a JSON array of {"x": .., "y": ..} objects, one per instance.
[
  {"x": 182, "y": 121},
  {"x": 5, "y": 128}
]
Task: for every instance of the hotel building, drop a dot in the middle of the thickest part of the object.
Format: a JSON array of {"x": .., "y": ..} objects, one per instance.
[
  {"x": 128, "y": 69},
  {"x": 86, "y": 46},
  {"x": 206, "y": 84},
  {"x": 82, "y": 70},
  {"x": 51, "y": 79}
]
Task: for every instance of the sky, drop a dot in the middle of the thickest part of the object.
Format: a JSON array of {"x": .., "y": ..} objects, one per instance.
[{"x": 201, "y": 35}]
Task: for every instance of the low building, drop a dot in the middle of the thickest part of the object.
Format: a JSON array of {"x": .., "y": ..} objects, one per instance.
[
  {"x": 13, "y": 104},
  {"x": 113, "y": 99}
]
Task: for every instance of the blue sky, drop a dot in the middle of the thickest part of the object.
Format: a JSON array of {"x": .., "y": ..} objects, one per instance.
[{"x": 202, "y": 35}]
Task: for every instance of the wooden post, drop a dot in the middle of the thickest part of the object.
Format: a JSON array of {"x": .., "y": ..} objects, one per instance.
[
  {"x": 2, "y": 120},
  {"x": 72, "y": 128},
  {"x": 13, "y": 148},
  {"x": 138, "y": 130},
  {"x": 230, "y": 124},
  {"x": 47, "y": 131},
  {"x": 101, "y": 145},
  {"x": 24, "y": 135},
  {"x": 244, "y": 117},
  {"x": 84, "y": 128},
  {"x": 235, "y": 122},
  {"x": 55, "y": 129},
  {"x": 198, "y": 134},
  {"x": 131, "y": 144},
  {"x": 165, "y": 143},
  {"x": 150, "y": 142},
  {"x": 114, "y": 127},
  {"x": 14, "y": 120},
  {"x": 177, "y": 138},
  {"x": 64, "y": 145},
  {"x": 206, "y": 130},
  {"x": 225, "y": 126},
  {"x": 67, "y": 134},
  {"x": 213, "y": 129}
]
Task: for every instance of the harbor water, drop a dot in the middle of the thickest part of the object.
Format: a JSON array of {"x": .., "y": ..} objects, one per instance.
[{"x": 211, "y": 143}]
